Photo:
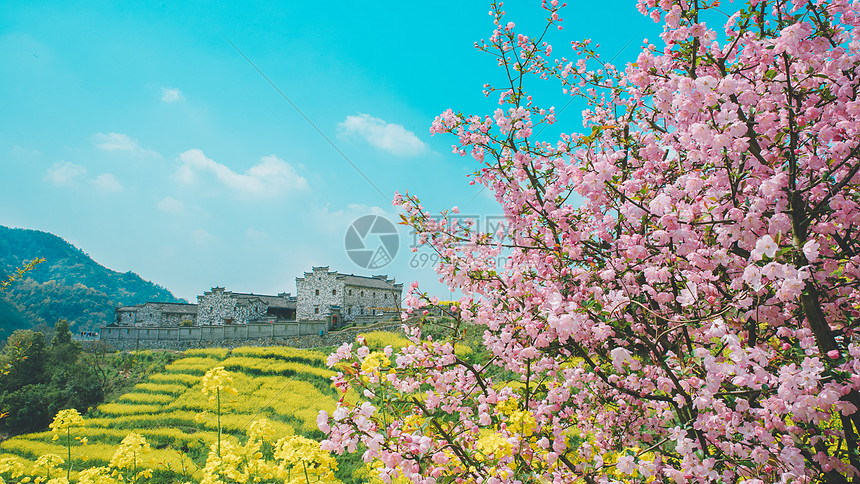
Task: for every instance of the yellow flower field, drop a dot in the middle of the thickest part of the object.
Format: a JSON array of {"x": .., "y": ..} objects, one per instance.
[{"x": 177, "y": 419}]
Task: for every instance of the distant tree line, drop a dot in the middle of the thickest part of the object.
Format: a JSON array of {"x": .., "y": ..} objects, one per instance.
[
  {"x": 41, "y": 375},
  {"x": 49, "y": 301}
]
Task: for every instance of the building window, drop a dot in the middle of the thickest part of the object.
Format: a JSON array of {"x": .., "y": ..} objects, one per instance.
[
  {"x": 362, "y": 293},
  {"x": 334, "y": 292},
  {"x": 317, "y": 292},
  {"x": 350, "y": 292},
  {"x": 385, "y": 296},
  {"x": 349, "y": 310},
  {"x": 316, "y": 310}
]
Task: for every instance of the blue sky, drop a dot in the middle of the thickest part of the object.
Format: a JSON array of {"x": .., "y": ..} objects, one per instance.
[{"x": 137, "y": 132}]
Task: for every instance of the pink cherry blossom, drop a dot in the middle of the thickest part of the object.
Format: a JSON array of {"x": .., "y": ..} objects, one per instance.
[
  {"x": 810, "y": 250},
  {"x": 674, "y": 294},
  {"x": 764, "y": 246}
]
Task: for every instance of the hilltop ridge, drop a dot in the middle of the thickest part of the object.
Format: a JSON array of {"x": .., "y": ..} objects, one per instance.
[{"x": 68, "y": 285}]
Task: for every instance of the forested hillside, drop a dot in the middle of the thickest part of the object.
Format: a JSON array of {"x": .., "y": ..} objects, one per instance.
[{"x": 68, "y": 285}]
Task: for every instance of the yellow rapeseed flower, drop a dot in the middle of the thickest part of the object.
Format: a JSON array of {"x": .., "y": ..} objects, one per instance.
[
  {"x": 413, "y": 423},
  {"x": 300, "y": 456},
  {"x": 130, "y": 449},
  {"x": 66, "y": 419},
  {"x": 373, "y": 361},
  {"x": 217, "y": 380},
  {"x": 48, "y": 461},
  {"x": 227, "y": 465},
  {"x": 522, "y": 422},
  {"x": 493, "y": 445},
  {"x": 96, "y": 475},
  {"x": 507, "y": 407},
  {"x": 12, "y": 466},
  {"x": 45, "y": 466},
  {"x": 261, "y": 430},
  {"x": 62, "y": 424}
]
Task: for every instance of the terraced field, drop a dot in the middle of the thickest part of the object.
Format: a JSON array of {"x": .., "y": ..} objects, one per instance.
[{"x": 286, "y": 386}]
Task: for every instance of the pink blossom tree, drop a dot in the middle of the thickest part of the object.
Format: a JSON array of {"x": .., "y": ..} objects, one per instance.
[{"x": 678, "y": 298}]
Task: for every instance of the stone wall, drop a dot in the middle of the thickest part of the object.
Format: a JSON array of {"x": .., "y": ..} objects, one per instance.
[
  {"x": 153, "y": 314},
  {"x": 126, "y": 316},
  {"x": 248, "y": 310},
  {"x": 214, "y": 306},
  {"x": 217, "y": 307},
  {"x": 176, "y": 319},
  {"x": 386, "y": 316},
  {"x": 355, "y": 295},
  {"x": 335, "y": 338},
  {"x": 315, "y": 292},
  {"x": 358, "y": 301},
  {"x": 148, "y": 315},
  {"x": 134, "y": 336}
]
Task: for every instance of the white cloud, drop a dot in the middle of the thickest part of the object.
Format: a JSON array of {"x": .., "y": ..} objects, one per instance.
[
  {"x": 21, "y": 151},
  {"x": 107, "y": 183},
  {"x": 121, "y": 143},
  {"x": 170, "y": 205},
  {"x": 271, "y": 177},
  {"x": 201, "y": 236},
  {"x": 390, "y": 137},
  {"x": 337, "y": 221},
  {"x": 67, "y": 174},
  {"x": 171, "y": 95},
  {"x": 256, "y": 235},
  {"x": 116, "y": 142},
  {"x": 64, "y": 173}
]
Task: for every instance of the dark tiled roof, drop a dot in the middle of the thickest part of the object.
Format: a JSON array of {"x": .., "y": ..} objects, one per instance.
[
  {"x": 370, "y": 282},
  {"x": 176, "y": 308},
  {"x": 180, "y": 308},
  {"x": 270, "y": 301}
]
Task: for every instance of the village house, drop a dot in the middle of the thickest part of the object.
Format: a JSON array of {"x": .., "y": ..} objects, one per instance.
[
  {"x": 322, "y": 295},
  {"x": 156, "y": 314},
  {"x": 341, "y": 298},
  {"x": 218, "y": 307}
]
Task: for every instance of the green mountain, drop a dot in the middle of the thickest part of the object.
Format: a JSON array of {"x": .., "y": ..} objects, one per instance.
[{"x": 68, "y": 285}]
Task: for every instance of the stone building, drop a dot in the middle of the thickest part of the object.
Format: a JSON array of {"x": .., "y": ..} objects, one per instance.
[
  {"x": 340, "y": 298},
  {"x": 156, "y": 314},
  {"x": 322, "y": 296},
  {"x": 219, "y": 307}
]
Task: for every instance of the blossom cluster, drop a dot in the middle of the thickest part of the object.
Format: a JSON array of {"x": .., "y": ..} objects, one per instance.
[{"x": 678, "y": 293}]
